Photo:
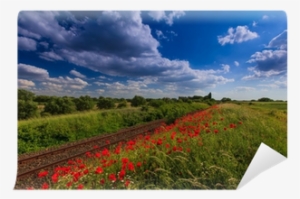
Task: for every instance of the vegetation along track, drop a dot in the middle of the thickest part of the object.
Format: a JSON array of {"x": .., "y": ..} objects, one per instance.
[{"x": 31, "y": 164}]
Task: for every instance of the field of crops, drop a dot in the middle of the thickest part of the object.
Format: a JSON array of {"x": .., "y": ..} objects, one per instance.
[{"x": 206, "y": 150}]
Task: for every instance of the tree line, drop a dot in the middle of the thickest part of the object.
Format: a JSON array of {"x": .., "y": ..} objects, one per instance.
[{"x": 30, "y": 105}]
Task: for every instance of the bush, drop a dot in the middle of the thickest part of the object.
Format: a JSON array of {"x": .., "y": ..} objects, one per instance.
[
  {"x": 84, "y": 103},
  {"x": 105, "y": 103},
  {"x": 138, "y": 101},
  {"x": 27, "y": 109},
  {"x": 60, "y": 105},
  {"x": 122, "y": 104}
]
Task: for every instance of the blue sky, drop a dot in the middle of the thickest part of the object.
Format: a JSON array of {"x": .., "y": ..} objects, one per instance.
[{"x": 237, "y": 54}]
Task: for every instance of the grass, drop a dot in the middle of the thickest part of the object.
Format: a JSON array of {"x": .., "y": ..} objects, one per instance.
[{"x": 206, "y": 150}]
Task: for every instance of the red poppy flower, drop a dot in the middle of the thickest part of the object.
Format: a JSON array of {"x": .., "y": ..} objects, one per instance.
[
  {"x": 81, "y": 166},
  {"x": 80, "y": 186},
  {"x": 125, "y": 160},
  {"x": 96, "y": 147},
  {"x": 99, "y": 170},
  {"x": 174, "y": 148},
  {"x": 102, "y": 181},
  {"x": 130, "y": 166},
  {"x": 86, "y": 171},
  {"x": 122, "y": 174},
  {"x": 127, "y": 182},
  {"x": 69, "y": 184},
  {"x": 216, "y": 131},
  {"x": 138, "y": 164},
  {"x": 112, "y": 177},
  {"x": 43, "y": 174},
  {"x": 225, "y": 128},
  {"x": 159, "y": 142},
  {"x": 30, "y": 188},
  {"x": 45, "y": 186},
  {"x": 71, "y": 162},
  {"x": 54, "y": 178},
  {"x": 98, "y": 155},
  {"x": 107, "y": 141},
  {"x": 105, "y": 152},
  {"x": 78, "y": 161}
]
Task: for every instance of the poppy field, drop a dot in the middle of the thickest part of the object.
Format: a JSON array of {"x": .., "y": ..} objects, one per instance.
[{"x": 210, "y": 149}]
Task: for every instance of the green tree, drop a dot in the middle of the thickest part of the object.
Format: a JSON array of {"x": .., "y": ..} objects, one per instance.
[
  {"x": 207, "y": 96},
  {"x": 138, "y": 101},
  {"x": 225, "y": 99},
  {"x": 25, "y": 95},
  {"x": 60, "y": 105},
  {"x": 265, "y": 99},
  {"x": 27, "y": 109},
  {"x": 84, "y": 103},
  {"x": 122, "y": 104},
  {"x": 105, "y": 103}
]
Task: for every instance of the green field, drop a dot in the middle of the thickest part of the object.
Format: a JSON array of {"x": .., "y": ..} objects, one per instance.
[
  {"x": 206, "y": 150},
  {"x": 40, "y": 133}
]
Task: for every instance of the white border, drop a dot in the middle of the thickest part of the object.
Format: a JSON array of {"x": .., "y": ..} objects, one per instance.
[{"x": 280, "y": 181}]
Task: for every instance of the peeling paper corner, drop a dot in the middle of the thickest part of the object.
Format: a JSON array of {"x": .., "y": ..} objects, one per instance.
[{"x": 265, "y": 158}]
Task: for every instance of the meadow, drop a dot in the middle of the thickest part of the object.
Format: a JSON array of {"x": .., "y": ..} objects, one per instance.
[
  {"x": 41, "y": 133},
  {"x": 209, "y": 149}
]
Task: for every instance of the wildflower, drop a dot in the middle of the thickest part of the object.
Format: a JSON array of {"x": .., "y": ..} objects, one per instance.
[
  {"x": 45, "y": 186},
  {"x": 117, "y": 150},
  {"x": 105, "y": 152},
  {"x": 107, "y": 141},
  {"x": 81, "y": 166},
  {"x": 225, "y": 128},
  {"x": 88, "y": 154},
  {"x": 69, "y": 184},
  {"x": 240, "y": 122},
  {"x": 125, "y": 160},
  {"x": 174, "y": 148},
  {"x": 122, "y": 174},
  {"x": 159, "y": 141},
  {"x": 102, "y": 181},
  {"x": 97, "y": 155},
  {"x": 96, "y": 147},
  {"x": 139, "y": 164},
  {"x": 54, "y": 178},
  {"x": 207, "y": 130},
  {"x": 43, "y": 174},
  {"x": 71, "y": 162},
  {"x": 188, "y": 150},
  {"x": 216, "y": 131},
  {"x": 127, "y": 182},
  {"x": 112, "y": 177},
  {"x": 167, "y": 145},
  {"x": 99, "y": 170},
  {"x": 30, "y": 188},
  {"x": 80, "y": 186},
  {"x": 130, "y": 166},
  {"x": 79, "y": 161},
  {"x": 222, "y": 119},
  {"x": 86, "y": 171}
]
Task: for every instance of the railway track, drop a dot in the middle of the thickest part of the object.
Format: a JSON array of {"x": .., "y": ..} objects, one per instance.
[{"x": 31, "y": 164}]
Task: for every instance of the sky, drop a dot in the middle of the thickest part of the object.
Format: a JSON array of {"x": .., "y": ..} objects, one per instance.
[{"x": 237, "y": 54}]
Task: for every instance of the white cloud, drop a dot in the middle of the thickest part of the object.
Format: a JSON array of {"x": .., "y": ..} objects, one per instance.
[
  {"x": 23, "y": 83},
  {"x": 244, "y": 89},
  {"x": 238, "y": 35},
  {"x": 236, "y": 63},
  {"x": 262, "y": 74},
  {"x": 100, "y": 91},
  {"x": 265, "y": 17},
  {"x": 168, "y": 18},
  {"x": 160, "y": 34},
  {"x": 31, "y": 72},
  {"x": 275, "y": 84},
  {"x": 27, "y": 33},
  {"x": 254, "y": 24},
  {"x": 50, "y": 56},
  {"x": 225, "y": 68},
  {"x": 26, "y": 44},
  {"x": 279, "y": 42},
  {"x": 77, "y": 74}
]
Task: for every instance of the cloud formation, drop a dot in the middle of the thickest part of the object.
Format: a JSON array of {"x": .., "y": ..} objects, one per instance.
[
  {"x": 77, "y": 74},
  {"x": 270, "y": 62},
  {"x": 26, "y": 44},
  {"x": 23, "y": 83},
  {"x": 115, "y": 44},
  {"x": 238, "y": 35},
  {"x": 168, "y": 18}
]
